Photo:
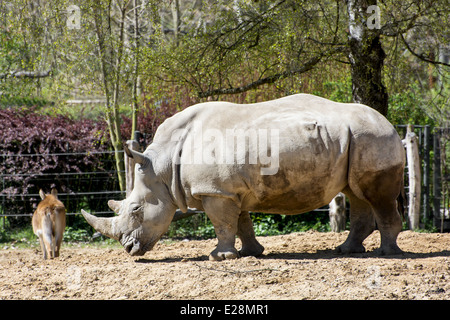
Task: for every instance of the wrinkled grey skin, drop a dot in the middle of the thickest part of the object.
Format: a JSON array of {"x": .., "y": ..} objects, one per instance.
[{"x": 324, "y": 148}]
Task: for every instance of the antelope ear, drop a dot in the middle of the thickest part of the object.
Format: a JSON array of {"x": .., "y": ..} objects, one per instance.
[
  {"x": 137, "y": 156},
  {"x": 42, "y": 194},
  {"x": 54, "y": 192}
]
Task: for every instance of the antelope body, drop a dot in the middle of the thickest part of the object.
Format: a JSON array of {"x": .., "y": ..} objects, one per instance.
[{"x": 49, "y": 222}]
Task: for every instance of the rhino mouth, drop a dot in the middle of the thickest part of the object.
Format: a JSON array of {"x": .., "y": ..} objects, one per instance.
[{"x": 134, "y": 247}]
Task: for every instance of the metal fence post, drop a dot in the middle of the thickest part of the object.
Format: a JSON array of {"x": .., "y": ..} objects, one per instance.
[
  {"x": 426, "y": 174},
  {"x": 436, "y": 181},
  {"x": 3, "y": 198}
]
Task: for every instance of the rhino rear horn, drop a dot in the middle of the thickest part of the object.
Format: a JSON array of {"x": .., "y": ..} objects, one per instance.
[
  {"x": 115, "y": 205},
  {"x": 136, "y": 155}
]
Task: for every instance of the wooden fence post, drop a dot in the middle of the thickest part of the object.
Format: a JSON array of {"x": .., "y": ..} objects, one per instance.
[
  {"x": 337, "y": 213},
  {"x": 129, "y": 166},
  {"x": 413, "y": 162}
]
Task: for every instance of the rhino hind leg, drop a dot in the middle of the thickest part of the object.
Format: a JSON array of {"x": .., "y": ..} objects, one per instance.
[
  {"x": 390, "y": 225},
  {"x": 362, "y": 224},
  {"x": 382, "y": 189},
  {"x": 250, "y": 246},
  {"x": 375, "y": 202}
]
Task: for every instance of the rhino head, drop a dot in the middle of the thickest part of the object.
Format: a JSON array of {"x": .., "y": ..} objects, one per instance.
[{"x": 145, "y": 215}]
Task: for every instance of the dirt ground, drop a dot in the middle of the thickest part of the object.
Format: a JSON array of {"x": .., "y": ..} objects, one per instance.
[{"x": 296, "y": 266}]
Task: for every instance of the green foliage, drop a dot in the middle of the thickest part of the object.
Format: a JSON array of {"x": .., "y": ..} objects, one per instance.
[
  {"x": 17, "y": 237},
  {"x": 200, "y": 227},
  {"x": 195, "y": 227},
  {"x": 76, "y": 235},
  {"x": 8, "y": 100},
  {"x": 339, "y": 91},
  {"x": 271, "y": 224},
  {"x": 24, "y": 236},
  {"x": 407, "y": 107}
]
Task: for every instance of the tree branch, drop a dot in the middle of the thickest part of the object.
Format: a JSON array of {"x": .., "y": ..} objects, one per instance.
[
  {"x": 308, "y": 65},
  {"x": 421, "y": 57},
  {"x": 26, "y": 74},
  {"x": 393, "y": 29}
]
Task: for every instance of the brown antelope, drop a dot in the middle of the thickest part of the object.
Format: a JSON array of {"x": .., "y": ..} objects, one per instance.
[{"x": 49, "y": 221}]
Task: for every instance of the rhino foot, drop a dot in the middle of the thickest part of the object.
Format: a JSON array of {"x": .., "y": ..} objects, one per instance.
[
  {"x": 255, "y": 251},
  {"x": 387, "y": 250},
  {"x": 219, "y": 255},
  {"x": 345, "y": 248}
]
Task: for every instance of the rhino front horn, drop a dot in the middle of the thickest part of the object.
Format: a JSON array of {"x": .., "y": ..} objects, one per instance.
[{"x": 103, "y": 225}]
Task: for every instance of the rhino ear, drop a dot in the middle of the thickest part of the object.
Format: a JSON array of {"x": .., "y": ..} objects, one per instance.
[{"x": 137, "y": 156}]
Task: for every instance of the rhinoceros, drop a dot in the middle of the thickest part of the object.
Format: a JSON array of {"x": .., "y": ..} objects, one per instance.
[{"x": 286, "y": 156}]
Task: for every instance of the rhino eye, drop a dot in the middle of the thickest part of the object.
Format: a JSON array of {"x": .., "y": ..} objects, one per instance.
[{"x": 137, "y": 209}]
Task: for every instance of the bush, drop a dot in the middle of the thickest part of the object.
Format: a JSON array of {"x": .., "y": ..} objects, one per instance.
[
  {"x": 407, "y": 107},
  {"x": 274, "y": 224},
  {"x": 195, "y": 227},
  {"x": 28, "y": 137},
  {"x": 75, "y": 235},
  {"x": 37, "y": 147}
]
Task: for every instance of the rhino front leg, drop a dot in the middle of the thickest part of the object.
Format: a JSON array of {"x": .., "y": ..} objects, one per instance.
[
  {"x": 224, "y": 215},
  {"x": 250, "y": 246}
]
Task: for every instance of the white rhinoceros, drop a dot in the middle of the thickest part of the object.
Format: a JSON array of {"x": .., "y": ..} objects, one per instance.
[{"x": 287, "y": 156}]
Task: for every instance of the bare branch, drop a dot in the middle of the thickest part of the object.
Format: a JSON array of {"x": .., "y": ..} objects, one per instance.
[
  {"x": 393, "y": 29},
  {"x": 421, "y": 57},
  {"x": 26, "y": 74},
  {"x": 308, "y": 65}
]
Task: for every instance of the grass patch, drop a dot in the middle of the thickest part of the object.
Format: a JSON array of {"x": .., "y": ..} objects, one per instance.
[{"x": 24, "y": 238}]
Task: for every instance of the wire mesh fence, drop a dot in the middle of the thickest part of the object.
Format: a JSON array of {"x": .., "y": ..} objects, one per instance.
[
  {"x": 435, "y": 167},
  {"x": 86, "y": 187},
  {"x": 90, "y": 186}
]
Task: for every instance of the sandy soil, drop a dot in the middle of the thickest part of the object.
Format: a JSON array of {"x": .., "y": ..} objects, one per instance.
[{"x": 296, "y": 266}]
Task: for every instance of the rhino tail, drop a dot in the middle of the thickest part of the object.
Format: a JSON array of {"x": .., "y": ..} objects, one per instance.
[{"x": 401, "y": 201}]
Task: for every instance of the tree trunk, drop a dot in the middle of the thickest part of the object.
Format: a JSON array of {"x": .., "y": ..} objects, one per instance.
[
  {"x": 136, "y": 78},
  {"x": 366, "y": 57},
  {"x": 176, "y": 20},
  {"x": 111, "y": 87},
  {"x": 114, "y": 123}
]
